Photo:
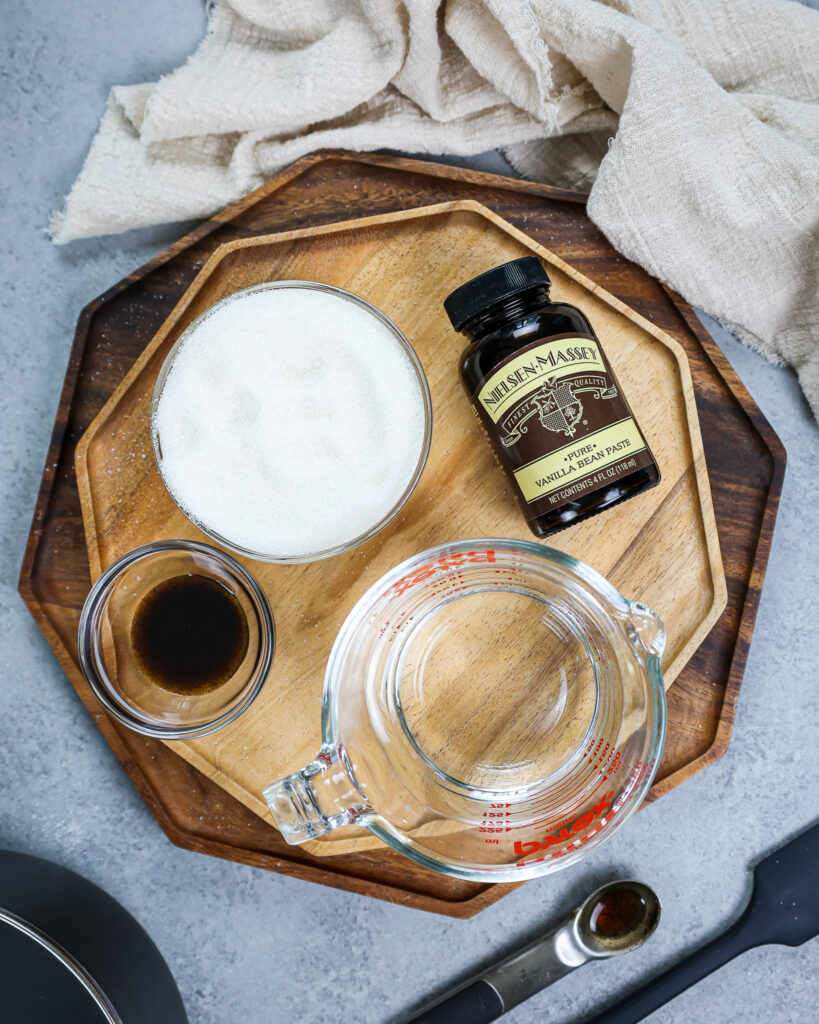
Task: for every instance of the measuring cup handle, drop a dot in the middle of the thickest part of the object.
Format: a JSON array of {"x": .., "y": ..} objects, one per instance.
[{"x": 319, "y": 798}]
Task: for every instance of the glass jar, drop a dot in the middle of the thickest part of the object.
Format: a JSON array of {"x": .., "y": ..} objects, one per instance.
[{"x": 544, "y": 391}]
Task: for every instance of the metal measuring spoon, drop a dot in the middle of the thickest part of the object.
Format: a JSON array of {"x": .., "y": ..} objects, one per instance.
[{"x": 616, "y": 918}]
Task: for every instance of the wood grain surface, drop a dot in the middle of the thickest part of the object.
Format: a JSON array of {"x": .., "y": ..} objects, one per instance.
[
  {"x": 661, "y": 548},
  {"x": 745, "y": 462}
]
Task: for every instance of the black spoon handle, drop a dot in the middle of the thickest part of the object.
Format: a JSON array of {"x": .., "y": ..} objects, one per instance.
[
  {"x": 681, "y": 976},
  {"x": 477, "y": 1003}
]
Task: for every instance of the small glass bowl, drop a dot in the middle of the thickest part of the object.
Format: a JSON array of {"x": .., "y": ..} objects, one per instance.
[
  {"x": 112, "y": 670},
  {"x": 264, "y": 556}
]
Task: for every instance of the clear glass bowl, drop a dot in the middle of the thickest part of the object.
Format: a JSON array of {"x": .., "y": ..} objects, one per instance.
[
  {"x": 267, "y": 556},
  {"x": 112, "y": 670},
  {"x": 493, "y": 709}
]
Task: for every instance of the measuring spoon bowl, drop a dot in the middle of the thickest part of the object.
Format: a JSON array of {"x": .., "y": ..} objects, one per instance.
[{"x": 617, "y": 918}]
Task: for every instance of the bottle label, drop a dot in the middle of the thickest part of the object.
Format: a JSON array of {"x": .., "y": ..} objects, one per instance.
[{"x": 559, "y": 421}]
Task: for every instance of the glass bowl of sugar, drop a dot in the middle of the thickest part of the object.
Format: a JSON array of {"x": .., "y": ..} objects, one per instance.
[{"x": 291, "y": 421}]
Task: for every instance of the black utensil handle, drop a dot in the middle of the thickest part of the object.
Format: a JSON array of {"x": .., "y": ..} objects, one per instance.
[
  {"x": 678, "y": 978},
  {"x": 478, "y": 1003}
]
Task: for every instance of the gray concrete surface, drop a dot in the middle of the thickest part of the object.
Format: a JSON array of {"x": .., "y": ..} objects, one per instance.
[{"x": 248, "y": 947}]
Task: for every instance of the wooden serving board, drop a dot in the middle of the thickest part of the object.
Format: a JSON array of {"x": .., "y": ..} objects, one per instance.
[
  {"x": 745, "y": 463},
  {"x": 660, "y": 548}
]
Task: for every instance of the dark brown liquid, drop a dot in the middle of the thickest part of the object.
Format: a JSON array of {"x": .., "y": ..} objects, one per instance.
[
  {"x": 503, "y": 335},
  {"x": 618, "y": 914},
  {"x": 189, "y": 634}
]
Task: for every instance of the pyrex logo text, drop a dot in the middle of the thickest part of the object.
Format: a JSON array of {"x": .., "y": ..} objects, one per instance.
[{"x": 581, "y": 823}]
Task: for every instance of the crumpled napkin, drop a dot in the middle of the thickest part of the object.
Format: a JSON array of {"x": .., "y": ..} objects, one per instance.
[{"x": 695, "y": 122}]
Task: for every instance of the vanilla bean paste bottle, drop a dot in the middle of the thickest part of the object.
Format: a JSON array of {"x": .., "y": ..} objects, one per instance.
[{"x": 551, "y": 405}]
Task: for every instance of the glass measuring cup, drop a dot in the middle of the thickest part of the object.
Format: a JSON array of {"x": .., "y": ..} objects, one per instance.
[{"x": 493, "y": 709}]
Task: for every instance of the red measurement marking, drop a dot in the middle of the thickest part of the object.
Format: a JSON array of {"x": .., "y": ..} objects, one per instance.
[
  {"x": 607, "y": 761},
  {"x": 444, "y": 564}
]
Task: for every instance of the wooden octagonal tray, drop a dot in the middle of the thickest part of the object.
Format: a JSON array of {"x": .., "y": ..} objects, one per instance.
[
  {"x": 661, "y": 549},
  {"x": 745, "y": 462}
]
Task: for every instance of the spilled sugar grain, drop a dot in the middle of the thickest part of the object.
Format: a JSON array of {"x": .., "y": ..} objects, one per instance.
[{"x": 291, "y": 422}]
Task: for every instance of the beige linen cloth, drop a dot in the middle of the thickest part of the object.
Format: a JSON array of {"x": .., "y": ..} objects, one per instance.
[{"x": 695, "y": 122}]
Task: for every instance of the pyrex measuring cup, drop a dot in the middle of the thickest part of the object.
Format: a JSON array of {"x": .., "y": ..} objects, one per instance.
[{"x": 492, "y": 709}]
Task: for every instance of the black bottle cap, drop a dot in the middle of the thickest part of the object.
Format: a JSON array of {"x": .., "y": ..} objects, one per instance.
[{"x": 494, "y": 286}]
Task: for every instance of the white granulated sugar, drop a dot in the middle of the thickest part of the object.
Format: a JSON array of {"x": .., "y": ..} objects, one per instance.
[{"x": 291, "y": 421}]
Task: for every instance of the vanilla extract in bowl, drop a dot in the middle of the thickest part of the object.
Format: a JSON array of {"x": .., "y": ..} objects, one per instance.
[{"x": 189, "y": 635}]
